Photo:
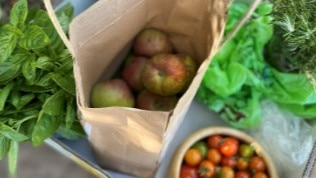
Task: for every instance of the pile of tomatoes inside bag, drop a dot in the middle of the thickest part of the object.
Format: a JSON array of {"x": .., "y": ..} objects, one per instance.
[{"x": 220, "y": 156}]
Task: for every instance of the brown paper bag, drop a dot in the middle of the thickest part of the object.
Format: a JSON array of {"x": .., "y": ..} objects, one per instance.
[{"x": 131, "y": 140}]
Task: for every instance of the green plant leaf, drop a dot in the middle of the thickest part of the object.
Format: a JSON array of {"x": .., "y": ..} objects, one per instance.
[
  {"x": 8, "y": 41},
  {"x": 45, "y": 126},
  {"x": 4, "y": 146},
  {"x": 8, "y": 71},
  {"x": 13, "y": 158},
  {"x": 67, "y": 83},
  {"x": 55, "y": 104},
  {"x": 34, "y": 38},
  {"x": 11, "y": 134},
  {"x": 45, "y": 63},
  {"x": 4, "y": 94},
  {"x": 64, "y": 16},
  {"x": 19, "y": 101},
  {"x": 18, "y": 13},
  {"x": 29, "y": 70},
  {"x": 70, "y": 113}
]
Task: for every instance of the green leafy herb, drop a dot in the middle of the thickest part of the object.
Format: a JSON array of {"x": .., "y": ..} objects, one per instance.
[
  {"x": 295, "y": 36},
  {"x": 37, "y": 88}
]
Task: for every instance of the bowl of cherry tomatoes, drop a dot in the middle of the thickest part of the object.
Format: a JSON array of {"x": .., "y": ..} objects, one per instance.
[{"x": 221, "y": 152}]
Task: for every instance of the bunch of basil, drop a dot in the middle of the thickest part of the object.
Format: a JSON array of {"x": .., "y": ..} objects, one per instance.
[
  {"x": 37, "y": 88},
  {"x": 239, "y": 77}
]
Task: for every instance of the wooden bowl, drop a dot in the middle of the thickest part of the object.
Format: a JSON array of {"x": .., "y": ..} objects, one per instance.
[{"x": 174, "y": 168}]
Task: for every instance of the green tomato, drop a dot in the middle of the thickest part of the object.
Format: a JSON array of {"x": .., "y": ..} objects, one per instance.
[
  {"x": 246, "y": 150},
  {"x": 202, "y": 147}
]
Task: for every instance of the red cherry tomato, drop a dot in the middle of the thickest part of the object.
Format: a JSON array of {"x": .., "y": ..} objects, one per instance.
[
  {"x": 187, "y": 171},
  {"x": 214, "y": 141},
  {"x": 229, "y": 161},
  {"x": 229, "y": 146}
]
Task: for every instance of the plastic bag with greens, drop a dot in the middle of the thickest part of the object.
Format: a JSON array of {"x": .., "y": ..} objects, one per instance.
[
  {"x": 294, "y": 92},
  {"x": 236, "y": 79}
]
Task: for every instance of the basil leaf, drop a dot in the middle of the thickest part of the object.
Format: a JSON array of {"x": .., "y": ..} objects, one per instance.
[
  {"x": 13, "y": 158},
  {"x": 18, "y": 13},
  {"x": 34, "y": 38},
  {"x": 8, "y": 41},
  {"x": 45, "y": 81},
  {"x": 11, "y": 134},
  {"x": 64, "y": 16},
  {"x": 4, "y": 146},
  {"x": 5, "y": 91},
  {"x": 19, "y": 101},
  {"x": 66, "y": 61},
  {"x": 42, "y": 19},
  {"x": 55, "y": 104},
  {"x": 45, "y": 63},
  {"x": 45, "y": 126},
  {"x": 29, "y": 70},
  {"x": 67, "y": 83},
  {"x": 70, "y": 113},
  {"x": 8, "y": 71}
]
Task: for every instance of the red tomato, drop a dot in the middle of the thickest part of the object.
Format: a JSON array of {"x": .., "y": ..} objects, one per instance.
[
  {"x": 214, "y": 156},
  {"x": 193, "y": 157},
  {"x": 214, "y": 141},
  {"x": 242, "y": 174},
  {"x": 187, "y": 171},
  {"x": 257, "y": 164},
  {"x": 229, "y": 161},
  {"x": 229, "y": 146},
  {"x": 206, "y": 169}
]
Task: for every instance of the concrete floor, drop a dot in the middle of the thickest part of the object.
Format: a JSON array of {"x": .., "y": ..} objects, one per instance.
[{"x": 43, "y": 162}]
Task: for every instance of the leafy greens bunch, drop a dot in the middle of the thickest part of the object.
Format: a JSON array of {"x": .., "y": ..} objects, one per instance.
[
  {"x": 37, "y": 88},
  {"x": 235, "y": 81},
  {"x": 240, "y": 76}
]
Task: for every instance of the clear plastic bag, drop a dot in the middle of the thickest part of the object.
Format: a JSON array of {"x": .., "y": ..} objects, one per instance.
[{"x": 287, "y": 138}]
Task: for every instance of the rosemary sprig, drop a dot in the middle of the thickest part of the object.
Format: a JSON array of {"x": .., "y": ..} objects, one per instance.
[{"x": 295, "y": 22}]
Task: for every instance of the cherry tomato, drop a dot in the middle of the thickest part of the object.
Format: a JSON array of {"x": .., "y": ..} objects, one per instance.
[
  {"x": 193, "y": 157},
  {"x": 229, "y": 146},
  {"x": 226, "y": 172},
  {"x": 214, "y": 156},
  {"x": 206, "y": 169},
  {"x": 242, "y": 163},
  {"x": 187, "y": 171},
  {"x": 242, "y": 174},
  {"x": 202, "y": 147},
  {"x": 260, "y": 175},
  {"x": 257, "y": 164},
  {"x": 229, "y": 161},
  {"x": 214, "y": 141},
  {"x": 246, "y": 150}
]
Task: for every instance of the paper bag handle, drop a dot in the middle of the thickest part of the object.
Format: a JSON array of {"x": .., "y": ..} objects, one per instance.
[
  {"x": 53, "y": 17},
  {"x": 248, "y": 14}
]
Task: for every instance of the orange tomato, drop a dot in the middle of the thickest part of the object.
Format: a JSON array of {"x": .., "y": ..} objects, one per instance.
[
  {"x": 193, "y": 157},
  {"x": 214, "y": 156},
  {"x": 206, "y": 169}
]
